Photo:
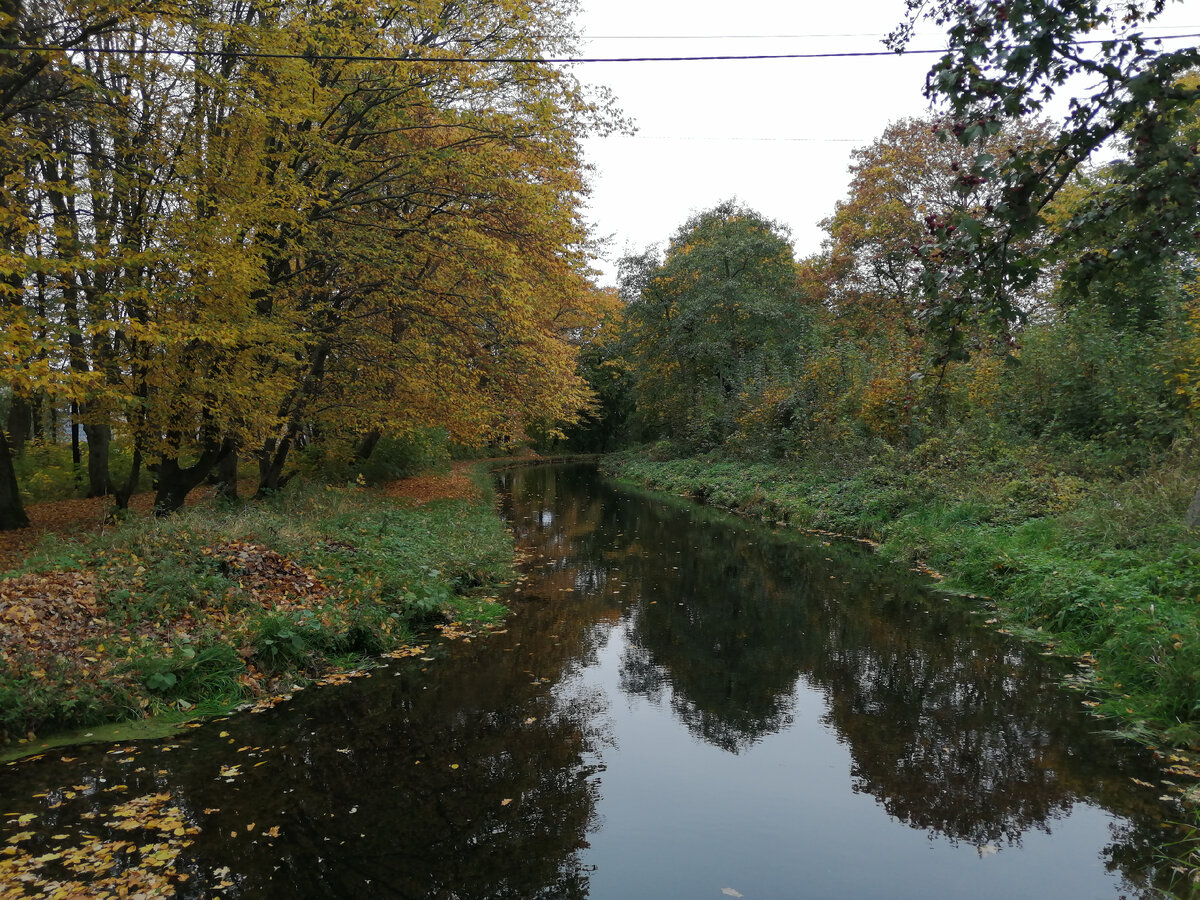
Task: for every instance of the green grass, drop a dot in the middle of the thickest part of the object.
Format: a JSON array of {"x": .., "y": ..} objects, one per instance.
[{"x": 182, "y": 636}]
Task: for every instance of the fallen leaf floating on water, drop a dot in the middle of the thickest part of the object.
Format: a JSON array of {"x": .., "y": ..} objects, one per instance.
[{"x": 88, "y": 866}]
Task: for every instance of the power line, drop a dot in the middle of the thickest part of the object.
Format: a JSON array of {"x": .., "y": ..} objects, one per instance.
[
  {"x": 724, "y": 37},
  {"x": 798, "y": 140},
  {"x": 459, "y": 60},
  {"x": 780, "y": 37}
]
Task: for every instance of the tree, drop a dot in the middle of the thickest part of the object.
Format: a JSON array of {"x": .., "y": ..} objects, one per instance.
[
  {"x": 712, "y": 322},
  {"x": 899, "y": 183},
  {"x": 436, "y": 243},
  {"x": 1007, "y": 60}
]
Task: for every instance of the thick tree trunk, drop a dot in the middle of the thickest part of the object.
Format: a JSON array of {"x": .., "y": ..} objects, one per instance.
[
  {"x": 271, "y": 460},
  {"x": 175, "y": 482},
  {"x": 367, "y": 445},
  {"x": 1193, "y": 511},
  {"x": 99, "y": 441},
  {"x": 227, "y": 477},
  {"x": 12, "y": 511},
  {"x": 20, "y": 424}
]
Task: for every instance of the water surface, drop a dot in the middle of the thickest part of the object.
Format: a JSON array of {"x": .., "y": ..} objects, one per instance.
[{"x": 683, "y": 705}]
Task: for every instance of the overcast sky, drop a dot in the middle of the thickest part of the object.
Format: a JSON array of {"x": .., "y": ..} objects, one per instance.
[{"x": 777, "y": 135}]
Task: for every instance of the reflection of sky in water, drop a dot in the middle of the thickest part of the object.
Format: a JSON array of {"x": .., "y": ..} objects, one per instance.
[{"x": 782, "y": 819}]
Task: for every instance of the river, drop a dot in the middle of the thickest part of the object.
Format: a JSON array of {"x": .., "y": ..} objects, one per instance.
[{"x": 683, "y": 705}]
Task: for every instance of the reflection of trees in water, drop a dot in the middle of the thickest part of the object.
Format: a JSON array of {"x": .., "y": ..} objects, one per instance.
[
  {"x": 949, "y": 727},
  {"x": 393, "y": 786},
  {"x": 433, "y": 761},
  {"x": 727, "y": 681},
  {"x": 952, "y": 728}
]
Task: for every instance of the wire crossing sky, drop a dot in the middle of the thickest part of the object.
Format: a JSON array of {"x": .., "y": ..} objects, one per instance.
[
  {"x": 475, "y": 60},
  {"x": 776, "y": 134}
]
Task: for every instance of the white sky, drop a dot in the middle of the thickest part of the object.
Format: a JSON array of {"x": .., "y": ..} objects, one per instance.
[{"x": 777, "y": 135}]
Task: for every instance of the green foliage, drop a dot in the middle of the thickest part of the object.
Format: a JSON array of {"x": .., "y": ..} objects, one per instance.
[
  {"x": 1006, "y": 61},
  {"x": 712, "y": 324},
  {"x": 30, "y": 698},
  {"x": 1084, "y": 378},
  {"x": 190, "y": 673},
  {"x": 289, "y": 640},
  {"x": 46, "y": 471},
  {"x": 338, "y": 461}
]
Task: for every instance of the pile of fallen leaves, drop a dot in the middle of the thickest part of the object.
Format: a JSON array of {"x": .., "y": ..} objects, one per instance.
[
  {"x": 64, "y": 626},
  {"x": 267, "y": 578},
  {"x": 50, "y": 615},
  {"x": 420, "y": 489}
]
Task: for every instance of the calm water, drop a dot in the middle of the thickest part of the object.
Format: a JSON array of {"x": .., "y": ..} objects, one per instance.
[{"x": 684, "y": 705}]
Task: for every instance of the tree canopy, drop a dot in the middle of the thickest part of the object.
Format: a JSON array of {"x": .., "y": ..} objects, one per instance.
[
  {"x": 710, "y": 320},
  {"x": 1007, "y": 60},
  {"x": 233, "y": 227}
]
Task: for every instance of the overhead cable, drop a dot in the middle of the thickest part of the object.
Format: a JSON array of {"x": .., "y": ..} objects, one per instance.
[{"x": 474, "y": 60}]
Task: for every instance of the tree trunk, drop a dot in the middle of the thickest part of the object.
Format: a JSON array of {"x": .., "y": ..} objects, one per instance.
[
  {"x": 12, "y": 511},
  {"x": 99, "y": 441},
  {"x": 1193, "y": 511},
  {"x": 367, "y": 445},
  {"x": 274, "y": 453},
  {"x": 76, "y": 454},
  {"x": 271, "y": 460},
  {"x": 122, "y": 494},
  {"x": 176, "y": 482},
  {"x": 227, "y": 477},
  {"x": 20, "y": 424}
]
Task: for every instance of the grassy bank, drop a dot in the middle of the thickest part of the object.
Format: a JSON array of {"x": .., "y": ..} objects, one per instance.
[
  {"x": 1097, "y": 563},
  {"x": 217, "y": 606}
]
